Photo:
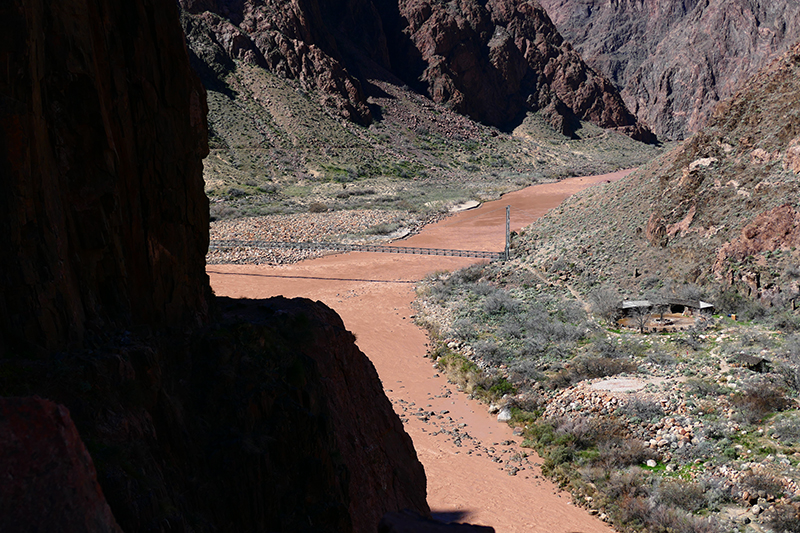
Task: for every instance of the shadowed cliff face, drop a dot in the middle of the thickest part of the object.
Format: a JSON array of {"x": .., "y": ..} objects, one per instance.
[
  {"x": 492, "y": 61},
  {"x": 199, "y": 415},
  {"x": 104, "y": 220},
  {"x": 674, "y": 61}
]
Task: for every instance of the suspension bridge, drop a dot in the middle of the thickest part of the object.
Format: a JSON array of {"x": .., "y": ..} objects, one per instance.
[{"x": 342, "y": 247}]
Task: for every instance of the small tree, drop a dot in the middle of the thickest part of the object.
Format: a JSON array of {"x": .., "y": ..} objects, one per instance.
[
  {"x": 640, "y": 316},
  {"x": 605, "y": 303}
]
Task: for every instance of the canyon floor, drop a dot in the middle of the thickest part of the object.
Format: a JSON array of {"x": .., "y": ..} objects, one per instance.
[{"x": 476, "y": 470}]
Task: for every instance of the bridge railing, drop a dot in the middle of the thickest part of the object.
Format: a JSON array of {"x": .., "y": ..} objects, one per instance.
[{"x": 341, "y": 247}]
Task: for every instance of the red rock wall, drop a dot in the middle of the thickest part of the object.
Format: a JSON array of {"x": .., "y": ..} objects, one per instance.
[
  {"x": 47, "y": 472},
  {"x": 103, "y": 218}
]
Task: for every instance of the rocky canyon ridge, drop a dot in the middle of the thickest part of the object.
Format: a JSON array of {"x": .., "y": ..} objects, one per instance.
[
  {"x": 492, "y": 61},
  {"x": 674, "y": 61}
]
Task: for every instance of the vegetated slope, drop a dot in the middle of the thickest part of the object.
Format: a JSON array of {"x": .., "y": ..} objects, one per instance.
[
  {"x": 673, "y": 61},
  {"x": 721, "y": 208},
  {"x": 281, "y": 79},
  {"x": 199, "y": 414}
]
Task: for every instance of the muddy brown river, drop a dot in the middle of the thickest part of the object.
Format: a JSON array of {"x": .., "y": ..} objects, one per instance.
[{"x": 473, "y": 464}]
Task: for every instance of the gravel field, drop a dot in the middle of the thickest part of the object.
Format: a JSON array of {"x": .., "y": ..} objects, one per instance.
[{"x": 356, "y": 226}]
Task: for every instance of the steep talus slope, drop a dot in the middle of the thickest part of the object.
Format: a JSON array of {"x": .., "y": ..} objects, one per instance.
[
  {"x": 674, "y": 61},
  {"x": 199, "y": 414},
  {"x": 720, "y": 209},
  {"x": 491, "y": 61}
]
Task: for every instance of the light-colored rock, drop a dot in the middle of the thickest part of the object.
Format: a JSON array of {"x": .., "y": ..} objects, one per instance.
[{"x": 504, "y": 415}]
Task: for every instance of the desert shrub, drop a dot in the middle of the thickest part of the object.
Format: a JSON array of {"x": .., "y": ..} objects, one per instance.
[
  {"x": 608, "y": 349},
  {"x": 571, "y": 312},
  {"x": 703, "y": 388},
  {"x": 267, "y": 188},
  {"x": 583, "y": 367},
  {"x": 499, "y": 302},
  {"x": 694, "y": 342},
  {"x": 650, "y": 282},
  {"x": 483, "y": 289},
  {"x": 632, "y": 511},
  {"x": 729, "y": 301},
  {"x": 689, "y": 291},
  {"x": 234, "y": 192},
  {"x": 383, "y": 229},
  {"x": 559, "y": 265},
  {"x": 317, "y": 207},
  {"x": 757, "y": 400},
  {"x": 580, "y": 430},
  {"x": 557, "y": 456},
  {"x": 470, "y": 274},
  {"x": 622, "y": 453},
  {"x": 784, "y": 518},
  {"x": 791, "y": 347},
  {"x": 552, "y": 330},
  {"x": 643, "y": 409},
  {"x": 491, "y": 352},
  {"x": 761, "y": 484},
  {"x": 604, "y": 303},
  {"x": 716, "y": 431},
  {"x": 658, "y": 356},
  {"x": 786, "y": 322},
  {"x": 664, "y": 519},
  {"x": 221, "y": 211},
  {"x": 626, "y": 483},
  {"x": 464, "y": 329},
  {"x": 703, "y": 449},
  {"x": 787, "y": 431},
  {"x": 683, "y": 494},
  {"x": 532, "y": 347},
  {"x": 522, "y": 370},
  {"x": 511, "y": 328}
]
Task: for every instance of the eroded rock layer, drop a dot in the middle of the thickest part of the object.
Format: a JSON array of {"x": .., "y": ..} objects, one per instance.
[
  {"x": 492, "y": 61},
  {"x": 674, "y": 61}
]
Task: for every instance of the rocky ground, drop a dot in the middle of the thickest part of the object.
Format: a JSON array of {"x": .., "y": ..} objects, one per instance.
[
  {"x": 360, "y": 226},
  {"x": 688, "y": 410}
]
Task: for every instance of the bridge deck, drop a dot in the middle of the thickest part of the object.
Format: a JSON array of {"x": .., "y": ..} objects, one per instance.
[{"x": 340, "y": 247}]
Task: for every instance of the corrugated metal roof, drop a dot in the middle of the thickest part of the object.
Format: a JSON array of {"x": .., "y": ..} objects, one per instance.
[{"x": 632, "y": 304}]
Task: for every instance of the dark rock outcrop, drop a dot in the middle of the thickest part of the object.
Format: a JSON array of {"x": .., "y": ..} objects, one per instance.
[
  {"x": 383, "y": 473},
  {"x": 104, "y": 219},
  {"x": 674, "y": 61},
  {"x": 409, "y": 522},
  {"x": 47, "y": 472},
  {"x": 495, "y": 60},
  {"x": 199, "y": 415},
  {"x": 492, "y": 61}
]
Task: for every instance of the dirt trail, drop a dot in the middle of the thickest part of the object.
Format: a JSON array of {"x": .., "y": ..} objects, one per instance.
[{"x": 474, "y": 471}]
